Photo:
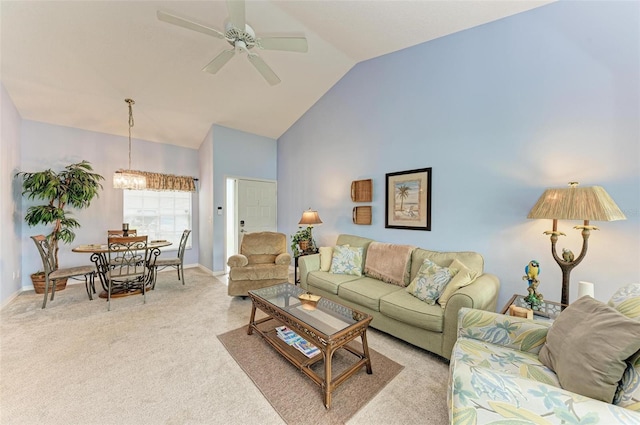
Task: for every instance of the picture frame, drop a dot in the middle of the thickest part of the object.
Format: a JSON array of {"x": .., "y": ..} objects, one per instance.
[{"x": 408, "y": 200}]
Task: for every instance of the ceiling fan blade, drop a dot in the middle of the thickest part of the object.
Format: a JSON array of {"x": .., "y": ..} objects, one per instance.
[
  {"x": 185, "y": 23},
  {"x": 264, "y": 69},
  {"x": 289, "y": 44},
  {"x": 219, "y": 61},
  {"x": 236, "y": 13}
]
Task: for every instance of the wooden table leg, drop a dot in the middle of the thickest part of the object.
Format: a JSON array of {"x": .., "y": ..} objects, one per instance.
[
  {"x": 365, "y": 350},
  {"x": 327, "y": 377},
  {"x": 252, "y": 319}
]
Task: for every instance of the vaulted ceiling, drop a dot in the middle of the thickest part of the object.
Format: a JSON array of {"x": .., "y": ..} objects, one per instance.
[{"x": 72, "y": 63}]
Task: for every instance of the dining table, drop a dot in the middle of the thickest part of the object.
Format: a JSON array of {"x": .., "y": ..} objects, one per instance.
[{"x": 99, "y": 256}]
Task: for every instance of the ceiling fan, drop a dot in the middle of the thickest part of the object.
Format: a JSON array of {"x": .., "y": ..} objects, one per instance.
[{"x": 242, "y": 37}]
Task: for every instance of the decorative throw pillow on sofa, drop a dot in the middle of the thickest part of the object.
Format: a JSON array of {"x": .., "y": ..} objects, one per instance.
[
  {"x": 627, "y": 301},
  {"x": 430, "y": 281},
  {"x": 587, "y": 346},
  {"x": 463, "y": 277},
  {"x": 628, "y": 391},
  {"x": 326, "y": 253},
  {"x": 347, "y": 260}
]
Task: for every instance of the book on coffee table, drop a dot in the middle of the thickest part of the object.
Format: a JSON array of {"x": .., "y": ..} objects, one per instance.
[
  {"x": 296, "y": 341},
  {"x": 306, "y": 348},
  {"x": 287, "y": 335}
]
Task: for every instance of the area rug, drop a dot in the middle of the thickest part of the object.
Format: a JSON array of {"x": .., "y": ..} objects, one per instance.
[{"x": 296, "y": 398}]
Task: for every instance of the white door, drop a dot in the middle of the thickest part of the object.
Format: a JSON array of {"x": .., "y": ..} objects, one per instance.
[{"x": 256, "y": 207}]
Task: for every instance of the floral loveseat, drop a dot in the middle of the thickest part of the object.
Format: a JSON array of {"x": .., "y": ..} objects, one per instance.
[
  {"x": 497, "y": 376},
  {"x": 364, "y": 284}
]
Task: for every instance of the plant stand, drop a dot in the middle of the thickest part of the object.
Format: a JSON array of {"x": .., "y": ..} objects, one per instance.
[{"x": 38, "y": 281}]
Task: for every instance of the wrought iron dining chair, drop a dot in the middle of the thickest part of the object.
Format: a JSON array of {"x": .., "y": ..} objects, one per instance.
[
  {"x": 131, "y": 265},
  {"x": 51, "y": 274},
  {"x": 177, "y": 262},
  {"x": 116, "y": 233}
]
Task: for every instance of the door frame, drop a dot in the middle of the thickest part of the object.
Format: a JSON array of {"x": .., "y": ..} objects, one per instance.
[{"x": 231, "y": 213}]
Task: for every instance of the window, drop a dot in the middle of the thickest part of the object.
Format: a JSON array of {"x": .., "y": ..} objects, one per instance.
[{"x": 158, "y": 214}]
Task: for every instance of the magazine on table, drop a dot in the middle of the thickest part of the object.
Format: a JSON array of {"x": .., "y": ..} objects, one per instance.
[
  {"x": 287, "y": 335},
  {"x": 306, "y": 348},
  {"x": 296, "y": 341}
]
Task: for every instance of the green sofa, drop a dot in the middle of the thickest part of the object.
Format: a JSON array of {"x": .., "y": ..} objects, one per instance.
[
  {"x": 497, "y": 374},
  {"x": 394, "y": 310}
]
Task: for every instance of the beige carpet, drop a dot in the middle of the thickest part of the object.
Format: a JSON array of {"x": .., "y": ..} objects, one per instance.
[
  {"x": 295, "y": 396},
  {"x": 161, "y": 362}
]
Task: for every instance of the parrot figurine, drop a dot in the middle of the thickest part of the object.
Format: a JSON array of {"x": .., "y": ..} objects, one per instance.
[
  {"x": 532, "y": 270},
  {"x": 567, "y": 255}
]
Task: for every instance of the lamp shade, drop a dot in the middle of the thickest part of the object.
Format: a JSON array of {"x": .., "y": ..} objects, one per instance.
[
  {"x": 310, "y": 218},
  {"x": 576, "y": 203}
]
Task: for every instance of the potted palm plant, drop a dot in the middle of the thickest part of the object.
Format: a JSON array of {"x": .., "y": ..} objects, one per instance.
[{"x": 75, "y": 186}]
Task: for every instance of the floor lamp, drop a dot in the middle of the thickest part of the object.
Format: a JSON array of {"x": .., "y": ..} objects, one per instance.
[{"x": 574, "y": 203}]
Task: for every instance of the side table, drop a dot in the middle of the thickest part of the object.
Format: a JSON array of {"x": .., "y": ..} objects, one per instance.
[
  {"x": 548, "y": 310},
  {"x": 295, "y": 265}
]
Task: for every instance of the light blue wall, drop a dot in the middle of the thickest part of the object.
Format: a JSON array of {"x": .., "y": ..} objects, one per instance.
[
  {"x": 500, "y": 112},
  {"x": 10, "y": 229},
  {"x": 237, "y": 154},
  {"x": 50, "y": 146}
]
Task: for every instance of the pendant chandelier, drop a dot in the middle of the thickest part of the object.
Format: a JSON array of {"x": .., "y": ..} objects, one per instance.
[{"x": 128, "y": 179}]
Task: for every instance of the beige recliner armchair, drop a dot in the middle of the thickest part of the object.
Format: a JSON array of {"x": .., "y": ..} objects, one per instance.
[{"x": 263, "y": 261}]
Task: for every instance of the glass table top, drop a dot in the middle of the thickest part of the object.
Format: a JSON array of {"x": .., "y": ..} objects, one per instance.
[{"x": 328, "y": 317}]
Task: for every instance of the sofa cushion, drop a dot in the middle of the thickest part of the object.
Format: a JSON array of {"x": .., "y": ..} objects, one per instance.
[
  {"x": 389, "y": 262},
  {"x": 406, "y": 308},
  {"x": 506, "y": 360},
  {"x": 472, "y": 260},
  {"x": 260, "y": 272},
  {"x": 480, "y": 394},
  {"x": 366, "y": 291},
  {"x": 347, "y": 260},
  {"x": 463, "y": 277},
  {"x": 328, "y": 281},
  {"x": 261, "y": 258},
  {"x": 587, "y": 346},
  {"x": 263, "y": 243},
  {"x": 430, "y": 281}
]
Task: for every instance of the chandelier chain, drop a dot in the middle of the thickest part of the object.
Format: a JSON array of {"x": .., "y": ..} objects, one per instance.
[{"x": 130, "y": 102}]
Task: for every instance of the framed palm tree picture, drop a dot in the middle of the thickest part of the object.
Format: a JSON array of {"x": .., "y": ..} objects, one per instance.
[{"x": 408, "y": 200}]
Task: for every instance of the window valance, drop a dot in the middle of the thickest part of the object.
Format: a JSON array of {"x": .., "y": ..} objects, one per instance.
[{"x": 158, "y": 181}]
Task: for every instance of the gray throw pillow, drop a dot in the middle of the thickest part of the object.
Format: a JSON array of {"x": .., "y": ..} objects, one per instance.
[{"x": 587, "y": 346}]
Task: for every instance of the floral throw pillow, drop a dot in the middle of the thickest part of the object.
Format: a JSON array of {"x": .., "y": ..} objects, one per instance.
[
  {"x": 346, "y": 260},
  {"x": 627, "y": 301},
  {"x": 430, "y": 282}
]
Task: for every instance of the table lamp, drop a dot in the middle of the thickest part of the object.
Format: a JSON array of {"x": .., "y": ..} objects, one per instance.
[
  {"x": 310, "y": 218},
  {"x": 574, "y": 203}
]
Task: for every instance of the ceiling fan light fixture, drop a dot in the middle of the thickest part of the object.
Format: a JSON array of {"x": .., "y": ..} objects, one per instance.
[{"x": 242, "y": 37}]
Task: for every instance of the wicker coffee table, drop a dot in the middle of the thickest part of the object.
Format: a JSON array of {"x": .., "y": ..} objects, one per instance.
[{"x": 330, "y": 326}]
